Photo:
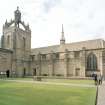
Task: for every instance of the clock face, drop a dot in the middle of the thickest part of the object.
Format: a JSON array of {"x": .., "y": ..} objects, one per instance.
[
  {"x": 17, "y": 11},
  {"x": 17, "y": 16}
]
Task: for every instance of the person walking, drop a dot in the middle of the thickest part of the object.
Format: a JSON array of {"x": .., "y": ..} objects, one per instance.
[
  {"x": 95, "y": 78},
  {"x": 101, "y": 79}
]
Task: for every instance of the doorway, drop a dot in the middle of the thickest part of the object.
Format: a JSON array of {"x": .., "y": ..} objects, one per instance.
[
  {"x": 24, "y": 72},
  {"x": 34, "y": 72},
  {"x": 77, "y": 72},
  {"x": 8, "y": 73}
]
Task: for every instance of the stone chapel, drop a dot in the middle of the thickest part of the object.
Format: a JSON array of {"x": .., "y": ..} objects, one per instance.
[{"x": 66, "y": 59}]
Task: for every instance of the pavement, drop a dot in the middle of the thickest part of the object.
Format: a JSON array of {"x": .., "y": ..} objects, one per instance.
[{"x": 101, "y": 94}]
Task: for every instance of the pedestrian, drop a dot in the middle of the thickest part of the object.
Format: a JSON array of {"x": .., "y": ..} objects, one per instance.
[
  {"x": 101, "y": 79},
  {"x": 7, "y": 73}
]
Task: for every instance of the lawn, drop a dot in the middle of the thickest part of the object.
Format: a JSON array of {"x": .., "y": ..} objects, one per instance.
[
  {"x": 73, "y": 81},
  {"x": 89, "y": 82},
  {"x": 18, "y": 93}
]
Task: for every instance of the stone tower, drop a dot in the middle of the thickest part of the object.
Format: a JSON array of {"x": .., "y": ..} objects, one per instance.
[
  {"x": 17, "y": 37},
  {"x": 62, "y": 40}
]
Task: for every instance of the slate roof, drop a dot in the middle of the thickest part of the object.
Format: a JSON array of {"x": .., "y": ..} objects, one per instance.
[
  {"x": 75, "y": 46},
  {"x": 6, "y": 50}
]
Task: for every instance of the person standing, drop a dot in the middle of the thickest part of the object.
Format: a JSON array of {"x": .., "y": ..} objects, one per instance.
[
  {"x": 95, "y": 79},
  {"x": 7, "y": 73}
]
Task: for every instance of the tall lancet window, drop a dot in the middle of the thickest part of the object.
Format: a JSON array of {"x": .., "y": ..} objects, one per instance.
[
  {"x": 24, "y": 42},
  {"x": 8, "y": 39},
  {"x": 92, "y": 62}
]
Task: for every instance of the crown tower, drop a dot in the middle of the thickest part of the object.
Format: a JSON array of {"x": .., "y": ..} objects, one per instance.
[{"x": 17, "y": 37}]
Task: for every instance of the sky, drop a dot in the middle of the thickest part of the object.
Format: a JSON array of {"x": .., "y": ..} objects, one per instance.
[{"x": 82, "y": 19}]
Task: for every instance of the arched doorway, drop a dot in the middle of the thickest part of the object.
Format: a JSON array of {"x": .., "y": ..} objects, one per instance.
[
  {"x": 24, "y": 72},
  {"x": 77, "y": 71},
  {"x": 34, "y": 72},
  {"x": 8, "y": 73}
]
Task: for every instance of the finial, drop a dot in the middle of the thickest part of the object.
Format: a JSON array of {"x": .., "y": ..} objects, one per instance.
[
  {"x": 62, "y": 36},
  {"x": 11, "y": 20},
  {"x": 6, "y": 21},
  {"x": 3, "y": 25},
  {"x": 17, "y": 7},
  {"x": 27, "y": 24},
  {"x": 62, "y": 29}
]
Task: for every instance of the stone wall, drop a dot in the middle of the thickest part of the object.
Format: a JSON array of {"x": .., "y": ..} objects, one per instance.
[
  {"x": 5, "y": 60},
  {"x": 19, "y": 41},
  {"x": 71, "y": 63}
]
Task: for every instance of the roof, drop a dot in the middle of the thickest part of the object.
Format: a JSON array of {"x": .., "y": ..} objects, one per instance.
[
  {"x": 5, "y": 50},
  {"x": 75, "y": 46}
]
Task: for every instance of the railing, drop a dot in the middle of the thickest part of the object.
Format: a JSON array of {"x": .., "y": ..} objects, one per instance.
[
  {"x": 61, "y": 77},
  {"x": 3, "y": 74}
]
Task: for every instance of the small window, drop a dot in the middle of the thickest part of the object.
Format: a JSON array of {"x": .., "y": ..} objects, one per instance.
[
  {"x": 76, "y": 54},
  {"x": 77, "y": 72},
  {"x": 57, "y": 55},
  {"x": 33, "y": 57},
  {"x": 43, "y": 56}
]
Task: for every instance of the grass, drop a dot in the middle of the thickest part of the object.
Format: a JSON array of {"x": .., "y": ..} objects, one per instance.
[
  {"x": 16, "y": 93},
  {"x": 90, "y": 82}
]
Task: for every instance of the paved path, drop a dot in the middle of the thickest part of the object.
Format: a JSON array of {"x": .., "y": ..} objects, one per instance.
[
  {"x": 53, "y": 83},
  {"x": 101, "y": 94}
]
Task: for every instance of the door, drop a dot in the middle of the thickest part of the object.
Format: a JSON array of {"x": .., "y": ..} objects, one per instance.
[
  {"x": 34, "y": 72},
  {"x": 8, "y": 73},
  {"x": 24, "y": 72},
  {"x": 77, "y": 71}
]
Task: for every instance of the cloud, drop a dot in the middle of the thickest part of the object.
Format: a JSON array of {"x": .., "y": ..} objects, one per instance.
[
  {"x": 49, "y": 4},
  {"x": 82, "y": 18}
]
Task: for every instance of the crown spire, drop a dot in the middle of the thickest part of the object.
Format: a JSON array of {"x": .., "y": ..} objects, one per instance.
[{"x": 62, "y": 40}]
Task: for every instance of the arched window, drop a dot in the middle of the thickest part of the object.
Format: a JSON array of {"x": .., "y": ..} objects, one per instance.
[
  {"x": 8, "y": 39},
  {"x": 91, "y": 62},
  {"x": 24, "y": 42}
]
